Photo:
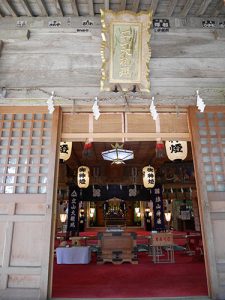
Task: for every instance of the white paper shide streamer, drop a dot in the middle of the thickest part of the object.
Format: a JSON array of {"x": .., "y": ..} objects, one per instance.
[
  {"x": 95, "y": 109},
  {"x": 50, "y": 103},
  {"x": 153, "y": 110},
  {"x": 200, "y": 103}
]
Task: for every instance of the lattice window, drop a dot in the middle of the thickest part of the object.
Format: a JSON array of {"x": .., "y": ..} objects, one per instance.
[
  {"x": 24, "y": 152},
  {"x": 211, "y": 128}
]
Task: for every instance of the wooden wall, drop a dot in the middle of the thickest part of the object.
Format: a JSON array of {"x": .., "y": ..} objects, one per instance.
[
  {"x": 124, "y": 126},
  {"x": 36, "y": 60}
]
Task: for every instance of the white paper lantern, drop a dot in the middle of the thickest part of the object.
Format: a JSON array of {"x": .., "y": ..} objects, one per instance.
[
  {"x": 176, "y": 150},
  {"x": 83, "y": 177},
  {"x": 65, "y": 150},
  {"x": 148, "y": 177}
]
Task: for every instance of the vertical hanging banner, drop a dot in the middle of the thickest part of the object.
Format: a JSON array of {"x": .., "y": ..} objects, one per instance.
[
  {"x": 73, "y": 209},
  {"x": 156, "y": 197},
  {"x": 125, "y": 50}
]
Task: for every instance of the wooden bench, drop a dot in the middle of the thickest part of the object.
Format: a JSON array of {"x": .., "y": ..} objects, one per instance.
[{"x": 117, "y": 247}]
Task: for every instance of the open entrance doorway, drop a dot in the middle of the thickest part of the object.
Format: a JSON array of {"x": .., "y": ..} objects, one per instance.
[{"x": 179, "y": 198}]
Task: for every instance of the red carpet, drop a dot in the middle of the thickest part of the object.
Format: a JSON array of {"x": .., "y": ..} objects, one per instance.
[{"x": 183, "y": 278}]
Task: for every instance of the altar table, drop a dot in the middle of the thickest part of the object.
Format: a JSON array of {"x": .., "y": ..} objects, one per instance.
[{"x": 73, "y": 255}]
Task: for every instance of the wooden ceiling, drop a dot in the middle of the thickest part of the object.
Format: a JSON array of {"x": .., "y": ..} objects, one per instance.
[
  {"x": 45, "y": 50},
  {"x": 103, "y": 172},
  {"x": 161, "y": 8}
]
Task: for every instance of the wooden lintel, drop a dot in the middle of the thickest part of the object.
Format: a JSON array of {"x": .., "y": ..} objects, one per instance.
[
  {"x": 192, "y": 23},
  {"x": 171, "y": 7},
  {"x": 10, "y": 8},
  {"x": 135, "y": 5},
  {"x": 146, "y": 136},
  {"x": 186, "y": 8},
  {"x": 27, "y": 8},
  {"x": 154, "y": 6},
  {"x": 123, "y": 4},
  {"x": 106, "y": 4},
  {"x": 203, "y": 7},
  {"x": 74, "y": 7},
  {"x": 42, "y": 8},
  {"x": 58, "y": 8},
  {"x": 13, "y": 35},
  {"x": 91, "y": 8}
]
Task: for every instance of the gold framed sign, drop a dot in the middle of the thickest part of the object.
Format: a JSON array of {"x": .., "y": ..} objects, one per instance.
[{"x": 125, "y": 50}]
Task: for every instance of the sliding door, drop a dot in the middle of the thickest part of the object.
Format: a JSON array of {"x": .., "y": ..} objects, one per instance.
[
  {"x": 208, "y": 142},
  {"x": 28, "y": 152}
]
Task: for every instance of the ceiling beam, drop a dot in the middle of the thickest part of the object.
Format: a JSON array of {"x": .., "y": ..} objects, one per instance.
[
  {"x": 58, "y": 8},
  {"x": 106, "y": 4},
  {"x": 171, "y": 7},
  {"x": 154, "y": 6},
  {"x": 203, "y": 7},
  {"x": 42, "y": 7},
  {"x": 74, "y": 7},
  {"x": 91, "y": 7},
  {"x": 219, "y": 7},
  {"x": 135, "y": 5},
  {"x": 27, "y": 8},
  {"x": 146, "y": 136},
  {"x": 186, "y": 8},
  {"x": 123, "y": 4},
  {"x": 10, "y": 8}
]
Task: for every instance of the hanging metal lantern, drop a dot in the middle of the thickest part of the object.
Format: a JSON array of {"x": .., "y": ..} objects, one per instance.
[
  {"x": 148, "y": 177},
  {"x": 176, "y": 150},
  {"x": 65, "y": 150},
  {"x": 83, "y": 177}
]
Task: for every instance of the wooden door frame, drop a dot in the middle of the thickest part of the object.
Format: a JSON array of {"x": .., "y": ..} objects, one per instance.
[
  {"x": 143, "y": 136},
  {"x": 54, "y": 180}
]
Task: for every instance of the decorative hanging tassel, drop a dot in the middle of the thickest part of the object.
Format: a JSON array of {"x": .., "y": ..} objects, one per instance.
[
  {"x": 160, "y": 149},
  {"x": 88, "y": 150}
]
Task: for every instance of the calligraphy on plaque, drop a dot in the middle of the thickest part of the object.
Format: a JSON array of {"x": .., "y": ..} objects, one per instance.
[
  {"x": 125, "y": 50},
  {"x": 125, "y": 60}
]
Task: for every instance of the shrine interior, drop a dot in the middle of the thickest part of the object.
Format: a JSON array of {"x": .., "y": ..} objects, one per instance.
[
  {"x": 175, "y": 178},
  {"x": 121, "y": 221}
]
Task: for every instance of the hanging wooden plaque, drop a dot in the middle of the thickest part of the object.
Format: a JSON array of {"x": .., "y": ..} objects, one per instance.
[{"x": 125, "y": 50}]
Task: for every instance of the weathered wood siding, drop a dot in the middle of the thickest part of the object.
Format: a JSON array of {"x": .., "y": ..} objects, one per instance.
[{"x": 186, "y": 58}]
